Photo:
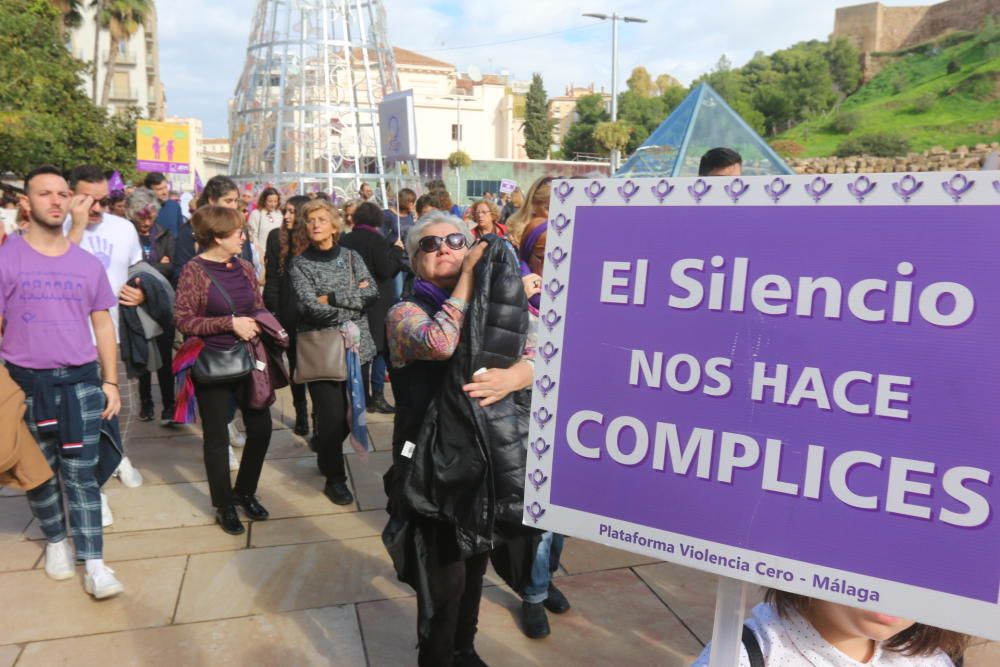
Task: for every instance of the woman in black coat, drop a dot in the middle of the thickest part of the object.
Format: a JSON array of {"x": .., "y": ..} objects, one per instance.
[
  {"x": 384, "y": 260},
  {"x": 279, "y": 297}
]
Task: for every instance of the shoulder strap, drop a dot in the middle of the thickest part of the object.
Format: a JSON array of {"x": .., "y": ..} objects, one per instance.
[
  {"x": 752, "y": 646},
  {"x": 222, "y": 290}
]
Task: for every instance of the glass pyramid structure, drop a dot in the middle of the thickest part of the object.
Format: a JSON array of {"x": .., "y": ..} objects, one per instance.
[{"x": 701, "y": 122}]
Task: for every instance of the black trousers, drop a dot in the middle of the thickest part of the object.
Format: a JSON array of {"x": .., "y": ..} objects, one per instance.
[
  {"x": 165, "y": 374},
  {"x": 457, "y": 587},
  {"x": 214, "y": 402},
  {"x": 298, "y": 390},
  {"x": 329, "y": 401}
]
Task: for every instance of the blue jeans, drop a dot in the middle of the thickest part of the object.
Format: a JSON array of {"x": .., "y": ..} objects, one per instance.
[
  {"x": 378, "y": 372},
  {"x": 546, "y": 562}
]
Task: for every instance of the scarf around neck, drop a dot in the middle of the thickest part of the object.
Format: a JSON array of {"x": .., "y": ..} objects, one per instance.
[{"x": 430, "y": 293}]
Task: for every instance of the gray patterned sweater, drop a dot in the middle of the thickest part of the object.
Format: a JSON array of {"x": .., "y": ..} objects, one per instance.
[{"x": 337, "y": 274}]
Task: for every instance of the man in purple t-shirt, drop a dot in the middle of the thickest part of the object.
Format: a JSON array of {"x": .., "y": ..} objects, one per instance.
[{"x": 51, "y": 293}]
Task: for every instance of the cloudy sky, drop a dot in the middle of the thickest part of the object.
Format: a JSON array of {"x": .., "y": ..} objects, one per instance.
[{"x": 203, "y": 44}]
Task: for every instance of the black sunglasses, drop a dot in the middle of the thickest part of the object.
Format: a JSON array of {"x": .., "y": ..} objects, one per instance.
[{"x": 455, "y": 241}]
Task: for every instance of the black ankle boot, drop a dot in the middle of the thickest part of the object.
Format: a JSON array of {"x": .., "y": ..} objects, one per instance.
[
  {"x": 380, "y": 405},
  {"x": 301, "y": 420}
]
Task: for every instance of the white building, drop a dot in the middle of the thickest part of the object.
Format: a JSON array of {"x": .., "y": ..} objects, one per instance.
[
  {"x": 135, "y": 79},
  {"x": 454, "y": 112}
]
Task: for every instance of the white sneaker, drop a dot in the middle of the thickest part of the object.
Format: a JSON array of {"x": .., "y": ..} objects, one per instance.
[
  {"x": 102, "y": 583},
  {"x": 107, "y": 518},
  {"x": 236, "y": 439},
  {"x": 127, "y": 473},
  {"x": 59, "y": 563},
  {"x": 234, "y": 463}
]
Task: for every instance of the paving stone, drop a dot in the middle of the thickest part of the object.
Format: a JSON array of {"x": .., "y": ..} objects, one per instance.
[
  {"x": 48, "y": 609},
  {"x": 367, "y": 478},
  {"x": 983, "y": 653},
  {"x": 327, "y": 637},
  {"x": 20, "y": 556},
  {"x": 688, "y": 592},
  {"x": 381, "y": 433},
  {"x": 170, "y": 542},
  {"x": 274, "y": 532},
  {"x": 286, "y": 578},
  {"x": 15, "y": 515},
  {"x": 615, "y": 620},
  {"x": 580, "y": 556},
  {"x": 8, "y": 655}
]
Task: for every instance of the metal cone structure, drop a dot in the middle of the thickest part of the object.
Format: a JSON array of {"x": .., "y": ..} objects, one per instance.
[{"x": 305, "y": 112}]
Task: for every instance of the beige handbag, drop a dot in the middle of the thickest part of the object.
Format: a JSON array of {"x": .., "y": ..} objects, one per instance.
[{"x": 321, "y": 355}]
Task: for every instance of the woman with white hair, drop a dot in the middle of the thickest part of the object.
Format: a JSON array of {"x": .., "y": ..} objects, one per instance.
[
  {"x": 142, "y": 208},
  {"x": 424, "y": 332}
]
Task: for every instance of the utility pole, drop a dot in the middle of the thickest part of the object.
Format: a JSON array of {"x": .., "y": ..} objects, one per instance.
[{"x": 614, "y": 18}]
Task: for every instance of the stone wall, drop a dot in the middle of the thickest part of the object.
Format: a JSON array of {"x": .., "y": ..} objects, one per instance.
[
  {"x": 873, "y": 27},
  {"x": 935, "y": 159}
]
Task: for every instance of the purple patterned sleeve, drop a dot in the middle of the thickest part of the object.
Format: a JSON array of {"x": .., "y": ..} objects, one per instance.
[{"x": 413, "y": 335}]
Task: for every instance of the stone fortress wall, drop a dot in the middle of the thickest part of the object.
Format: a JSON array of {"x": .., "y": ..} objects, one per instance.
[{"x": 874, "y": 27}]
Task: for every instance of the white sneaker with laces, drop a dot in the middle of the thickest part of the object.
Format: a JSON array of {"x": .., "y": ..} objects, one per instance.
[
  {"x": 102, "y": 583},
  {"x": 127, "y": 473},
  {"x": 107, "y": 518},
  {"x": 234, "y": 463},
  {"x": 59, "y": 563},
  {"x": 236, "y": 439}
]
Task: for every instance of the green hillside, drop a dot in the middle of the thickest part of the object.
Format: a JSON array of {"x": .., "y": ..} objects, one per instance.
[{"x": 943, "y": 93}]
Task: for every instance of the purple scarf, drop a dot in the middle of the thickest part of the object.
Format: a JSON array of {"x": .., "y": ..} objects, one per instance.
[
  {"x": 431, "y": 293},
  {"x": 369, "y": 228},
  {"x": 528, "y": 247}
]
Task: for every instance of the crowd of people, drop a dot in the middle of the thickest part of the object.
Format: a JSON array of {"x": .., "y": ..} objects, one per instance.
[{"x": 226, "y": 300}]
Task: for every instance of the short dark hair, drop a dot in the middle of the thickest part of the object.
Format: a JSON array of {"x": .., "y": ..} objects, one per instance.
[
  {"x": 153, "y": 179},
  {"x": 423, "y": 201},
  {"x": 407, "y": 195},
  {"x": 435, "y": 184},
  {"x": 718, "y": 158},
  {"x": 85, "y": 173},
  {"x": 368, "y": 214},
  {"x": 43, "y": 170}
]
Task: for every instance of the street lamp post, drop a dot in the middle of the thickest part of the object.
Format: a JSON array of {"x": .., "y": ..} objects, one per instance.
[{"x": 615, "y": 18}]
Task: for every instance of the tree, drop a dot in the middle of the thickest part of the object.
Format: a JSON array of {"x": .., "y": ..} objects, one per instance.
[
  {"x": 122, "y": 19},
  {"x": 41, "y": 82},
  {"x": 641, "y": 83},
  {"x": 71, "y": 12},
  {"x": 537, "y": 125},
  {"x": 845, "y": 65},
  {"x": 613, "y": 135},
  {"x": 579, "y": 138},
  {"x": 665, "y": 82}
]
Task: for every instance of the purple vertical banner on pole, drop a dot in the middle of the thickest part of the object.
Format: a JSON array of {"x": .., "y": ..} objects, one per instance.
[
  {"x": 116, "y": 183},
  {"x": 790, "y": 381},
  {"x": 198, "y": 185}
]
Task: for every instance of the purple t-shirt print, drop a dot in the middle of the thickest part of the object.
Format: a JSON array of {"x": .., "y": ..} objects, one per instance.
[{"x": 46, "y": 303}]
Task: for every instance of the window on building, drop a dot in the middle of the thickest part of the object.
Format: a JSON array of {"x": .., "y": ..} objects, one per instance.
[
  {"x": 477, "y": 188},
  {"x": 456, "y": 132},
  {"x": 120, "y": 86}
]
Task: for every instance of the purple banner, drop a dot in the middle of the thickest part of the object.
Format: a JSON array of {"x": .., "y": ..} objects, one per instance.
[
  {"x": 816, "y": 383},
  {"x": 162, "y": 167}
]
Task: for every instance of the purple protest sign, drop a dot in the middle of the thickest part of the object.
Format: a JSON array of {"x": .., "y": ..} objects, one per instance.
[
  {"x": 115, "y": 183},
  {"x": 797, "y": 391}
]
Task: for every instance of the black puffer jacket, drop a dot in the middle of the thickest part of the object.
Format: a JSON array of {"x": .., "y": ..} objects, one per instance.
[
  {"x": 468, "y": 467},
  {"x": 462, "y": 490}
]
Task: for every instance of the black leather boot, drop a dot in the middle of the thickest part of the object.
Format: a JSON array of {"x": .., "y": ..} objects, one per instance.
[
  {"x": 301, "y": 419},
  {"x": 229, "y": 520}
]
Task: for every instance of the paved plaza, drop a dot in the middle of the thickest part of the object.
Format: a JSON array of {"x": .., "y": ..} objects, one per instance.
[{"x": 312, "y": 585}]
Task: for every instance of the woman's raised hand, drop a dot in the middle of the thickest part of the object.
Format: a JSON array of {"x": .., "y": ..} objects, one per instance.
[{"x": 474, "y": 255}]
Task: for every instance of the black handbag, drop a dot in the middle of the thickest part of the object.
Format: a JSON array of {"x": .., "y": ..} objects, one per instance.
[{"x": 214, "y": 366}]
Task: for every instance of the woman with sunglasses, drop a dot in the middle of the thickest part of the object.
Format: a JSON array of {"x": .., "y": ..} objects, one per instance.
[
  {"x": 423, "y": 333},
  {"x": 333, "y": 287}
]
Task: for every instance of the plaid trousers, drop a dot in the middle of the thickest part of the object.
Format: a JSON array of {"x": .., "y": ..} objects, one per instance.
[{"x": 78, "y": 476}]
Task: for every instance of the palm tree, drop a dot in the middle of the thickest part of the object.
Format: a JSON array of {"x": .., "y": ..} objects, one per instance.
[
  {"x": 70, "y": 12},
  {"x": 122, "y": 19}
]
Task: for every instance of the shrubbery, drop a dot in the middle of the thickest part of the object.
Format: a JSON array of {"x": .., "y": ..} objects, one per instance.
[{"x": 879, "y": 144}]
